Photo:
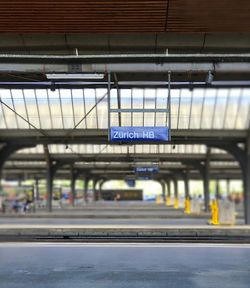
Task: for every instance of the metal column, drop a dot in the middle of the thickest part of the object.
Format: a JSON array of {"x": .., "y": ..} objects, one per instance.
[
  {"x": 50, "y": 177},
  {"x": 37, "y": 192},
  {"x": 85, "y": 195},
  {"x": 169, "y": 188},
  {"x": 206, "y": 182},
  {"x": 163, "y": 190},
  {"x": 33, "y": 199},
  {"x": 176, "y": 188},
  {"x": 72, "y": 187},
  {"x": 95, "y": 194},
  {"x": 228, "y": 187},
  {"x": 217, "y": 190},
  {"x": 100, "y": 189},
  {"x": 186, "y": 184},
  {"x": 247, "y": 182}
]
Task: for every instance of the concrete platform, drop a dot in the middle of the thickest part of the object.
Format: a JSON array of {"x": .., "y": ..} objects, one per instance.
[
  {"x": 125, "y": 233},
  {"x": 115, "y": 210},
  {"x": 95, "y": 214},
  {"x": 54, "y": 265}
]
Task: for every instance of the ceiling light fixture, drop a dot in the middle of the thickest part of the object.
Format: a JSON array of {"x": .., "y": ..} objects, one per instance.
[{"x": 66, "y": 76}]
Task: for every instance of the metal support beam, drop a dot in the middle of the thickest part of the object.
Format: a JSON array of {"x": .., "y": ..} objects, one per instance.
[
  {"x": 37, "y": 192},
  {"x": 203, "y": 168},
  {"x": 126, "y": 63},
  {"x": 217, "y": 189},
  {"x": 101, "y": 185},
  {"x": 33, "y": 199},
  {"x": 168, "y": 188},
  {"x": 243, "y": 157},
  {"x": 186, "y": 184},
  {"x": 176, "y": 192},
  {"x": 98, "y": 185},
  {"x": 50, "y": 176},
  {"x": 247, "y": 181},
  {"x": 206, "y": 181},
  {"x": 122, "y": 157},
  {"x": 52, "y": 167},
  {"x": 100, "y": 136},
  {"x": 85, "y": 189},
  {"x": 73, "y": 177},
  {"x": 8, "y": 149},
  {"x": 95, "y": 191},
  {"x": 163, "y": 189},
  {"x": 228, "y": 187}
]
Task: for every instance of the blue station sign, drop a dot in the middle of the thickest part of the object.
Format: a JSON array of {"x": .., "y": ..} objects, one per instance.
[
  {"x": 130, "y": 182},
  {"x": 135, "y": 134},
  {"x": 146, "y": 169},
  {"x": 143, "y": 178}
]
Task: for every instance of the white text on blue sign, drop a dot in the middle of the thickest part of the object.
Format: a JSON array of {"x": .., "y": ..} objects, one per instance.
[{"x": 138, "y": 134}]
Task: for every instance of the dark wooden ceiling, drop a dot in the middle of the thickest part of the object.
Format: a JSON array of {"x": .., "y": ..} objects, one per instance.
[{"x": 124, "y": 16}]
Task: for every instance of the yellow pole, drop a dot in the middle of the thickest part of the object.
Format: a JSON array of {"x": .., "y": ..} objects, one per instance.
[
  {"x": 215, "y": 213},
  {"x": 187, "y": 206},
  {"x": 168, "y": 201},
  {"x": 158, "y": 199},
  {"x": 176, "y": 203}
]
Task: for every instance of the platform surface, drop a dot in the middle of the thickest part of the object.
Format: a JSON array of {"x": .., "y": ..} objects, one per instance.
[{"x": 26, "y": 265}]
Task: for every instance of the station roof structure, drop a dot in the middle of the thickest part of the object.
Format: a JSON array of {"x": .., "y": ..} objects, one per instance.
[
  {"x": 73, "y": 124},
  {"x": 204, "y": 44},
  {"x": 121, "y": 16}
]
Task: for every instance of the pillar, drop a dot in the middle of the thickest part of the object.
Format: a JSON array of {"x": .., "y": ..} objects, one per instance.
[
  {"x": 228, "y": 187},
  {"x": 206, "y": 182},
  {"x": 176, "y": 200},
  {"x": 100, "y": 189},
  {"x": 33, "y": 199},
  {"x": 217, "y": 189},
  {"x": 243, "y": 157},
  {"x": 163, "y": 190},
  {"x": 168, "y": 188},
  {"x": 50, "y": 177},
  {"x": 85, "y": 190},
  {"x": 246, "y": 175},
  {"x": 37, "y": 192},
  {"x": 186, "y": 184},
  {"x": 73, "y": 187},
  {"x": 95, "y": 192},
  {"x": 176, "y": 188}
]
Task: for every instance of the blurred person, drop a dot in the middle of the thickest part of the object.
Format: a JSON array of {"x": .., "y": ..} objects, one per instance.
[
  {"x": 4, "y": 205},
  {"x": 237, "y": 199},
  {"x": 26, "y": 205},
  {"x": 117, "y": 197},
  {"x": 15, "y": 206}
]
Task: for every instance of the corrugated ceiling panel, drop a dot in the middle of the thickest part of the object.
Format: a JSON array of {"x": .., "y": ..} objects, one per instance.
[
  {"x": 83, "y": 16},
  {"x": 122, "y": 16},
  {"x": 208, "y": 16}
]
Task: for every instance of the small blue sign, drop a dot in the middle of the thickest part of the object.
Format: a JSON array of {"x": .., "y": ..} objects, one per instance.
[
  {"x": 135, "y": 134},
  {"x": 143, "y": 178},
  {"x": 146, "y": 169},
  {"x": 130, "y": 182}
]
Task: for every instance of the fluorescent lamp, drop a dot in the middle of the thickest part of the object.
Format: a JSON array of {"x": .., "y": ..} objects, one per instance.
[{"x": 64, "y": 76}]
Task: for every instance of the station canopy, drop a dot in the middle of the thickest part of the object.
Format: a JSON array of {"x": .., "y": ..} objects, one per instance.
[
  {"x": 197, "y": 109},
  {"x": 67, "y": 108}
]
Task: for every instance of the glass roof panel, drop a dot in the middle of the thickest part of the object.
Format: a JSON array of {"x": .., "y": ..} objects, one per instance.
[{"x": 65, "y": 108}]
